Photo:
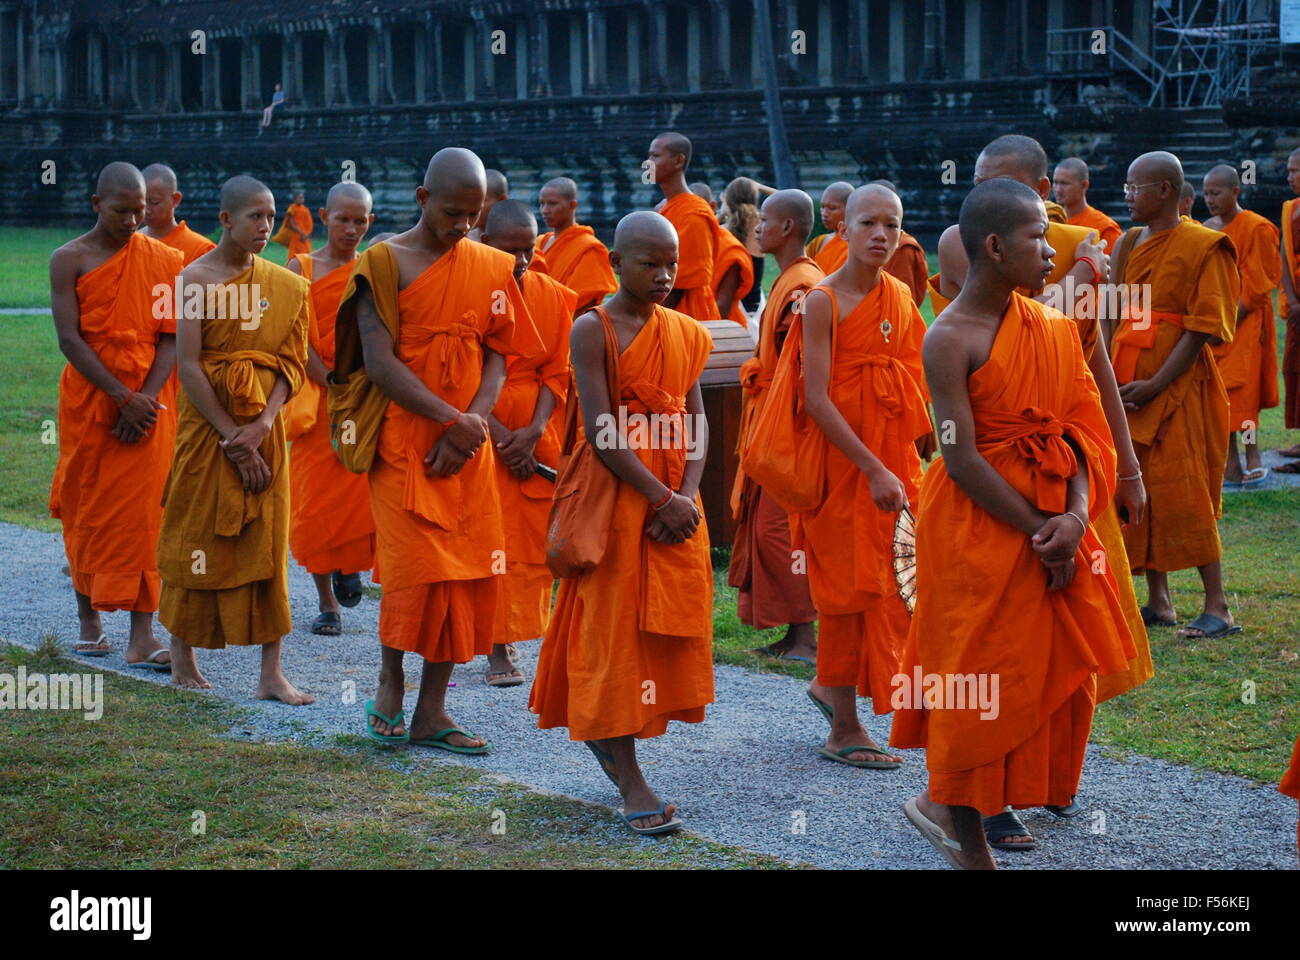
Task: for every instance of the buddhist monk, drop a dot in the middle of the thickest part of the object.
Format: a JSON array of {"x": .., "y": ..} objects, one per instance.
[
  {"x": 696, "y": 225},
  {"x": 772, "y": 588},
  {"x": 1288, "y": 308},
  {"x": 705, "y": 193},
  {"x": 733, "y": 277},
  {"x": 830, "y": 249},
  {"x": 525, "y": 426},
  {"x": 1074, "y": 284},
  {"x": 864, "y": 390},
  {"x": 574, "y": 256},
  {"x": 1070, "y": 184},
  {"x": 1290, "y": 785},
  {"x": 1248, "y": 364},
  {"x": 629, "y": 647},
  {"x": 428, "y": 320},
  {"x": 298, "y": 219},
  {"x": 1186, "y": 198},
  {"x": 331, "y": 532},
  {"x": 1007, "y": 593},
  {"x": 115, "y": 438},
  {"x": 908, "y": 263},
  {"x": 498, "y": 188},
  {"x": 1174, "y": 396},
  {"x": 162, "y": 197},
  {"x": 241, "y": 346}
]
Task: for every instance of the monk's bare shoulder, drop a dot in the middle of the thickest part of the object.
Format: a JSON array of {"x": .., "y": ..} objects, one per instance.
[
  {"x": 79, "y": 255},
  {"x": 1214, "y": 223}
]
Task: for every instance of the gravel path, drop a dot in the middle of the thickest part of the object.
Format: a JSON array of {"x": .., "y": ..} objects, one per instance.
[{"x": 749, "y": 776}]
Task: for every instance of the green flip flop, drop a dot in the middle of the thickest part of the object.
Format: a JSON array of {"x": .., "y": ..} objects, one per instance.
[
  {"x": 825, "y": 708},
  {"x": 842, "y": 756},
  {"x": 439, "y": 740},
  {"x": 391, "y": 721}
]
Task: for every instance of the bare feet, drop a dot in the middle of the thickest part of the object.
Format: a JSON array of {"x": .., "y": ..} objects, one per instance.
[
  {"x": 185, "y": 671},
  {"x": 278, "y": 687},
  {"x": 91, "y": 637},
  {"x": 1290, "y": 452},
  {"x": 143, "y": 643},
  {"x": 640, "y": 798},
  {"x": 799, "y": 643}
]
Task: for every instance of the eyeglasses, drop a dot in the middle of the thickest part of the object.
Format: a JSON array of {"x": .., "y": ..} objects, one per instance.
[{"x": 1131, "y": 189}]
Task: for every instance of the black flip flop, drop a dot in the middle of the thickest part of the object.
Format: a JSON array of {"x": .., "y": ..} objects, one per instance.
[
  {"x": 1072, "y": 809},
  {"x": 328, "y": 624},
  {"x": 347, "y": 588},
  {"x": 1211, "y": 627},
  {"x": 1007, "y": 825},
  {"x": 1152, "y": 619}
]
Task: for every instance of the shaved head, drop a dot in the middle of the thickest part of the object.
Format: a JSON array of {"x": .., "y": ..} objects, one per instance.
[
  {"x": 161, "y": 173},
  {"x": 794, "y": 204},
  {"x": 496, "y": 184},
  {"x": 872, "y": 191},
  {"x": 676, "y": 144},
  {"x": 117, "y": 177},
  {"x": 1158, "y": 165},
  {"x": 1294, "y": 153},
  {"x": 1223, "y": 176},
  {"x": 1074, "y": 167},
  {"x": 702, "y": 189},
  {"x": 348, "y": 190},
  {"x": 640, "y": 228},
  {"x": 454, "y": 168},
  {"x": 565, "y": 187},
  {"x": 508, "y": 214},
  {"x": 1187, "y": 191},
  {"x": 239, "y": 191},
  {"x": 1024, "y": 153},
  {"x": 888, "y": 184},
  {"x": 998, "y": 206},
  {"x": 837, "y": 192}
]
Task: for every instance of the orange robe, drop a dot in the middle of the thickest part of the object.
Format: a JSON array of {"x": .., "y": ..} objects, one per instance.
[
  {"x": 1248, "y": 364},
  {"x": 189, "y": 242},
  {"x": 762, "y": 567},
  {"x": 525, "y": 607},
  {"x": 300, "y": 217},
  {"x": 983, "y": 610},
  {"x": 1181, "y": 436},
  {"x": 1064, "y": 238},
  {"x": 697, "y": 251},
  {"x": 909, "y": 264},
  {"x": 1290, "y": 785},
  {"x": 831, "y": 252},
  {"x": 538, "y": 263},
  {"x": 630, "y": 642},
  {"x": 224, "y": 552},
  {"x": 1291, "y": 349},
  {"x": 877, "y": 384},
  {"x": 577, "y": 259},
  {"x": 330, "y": 527},
  {"x": 731, "y": 252},
  {"x": 1107, "y": 229},
  {"x": 440, "y": 540},
  {"x": 107, "y": 492}
]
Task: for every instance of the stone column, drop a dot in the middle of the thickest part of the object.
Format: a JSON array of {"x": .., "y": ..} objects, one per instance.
[
  {"x": 433, "y": 59},
  {"x": 539, "y": 84},
  {"x": 468, "y": 53},
  {"x": 973, "y": 66},
  {"x": 251, "y": 74},
  {"x": 694, "y": 50},
  {"x": 633, "y": 50},
  {"x": 597, "y": 78},
  {"x": 575, "y": 56},
  {"x": 374, "y": 39},
  {"x": 897, "y": 41},
  {"x": 384, "y": 69},
  {"x": 1014, "y": 37},
  {"x": 520, "y": 50},
  {"x": 342, "y": 90},
  {"x": 933, "y": 68},
  {"x": 211, "y": 70},
  {"x": 720, "y": 16},
  {"x": 657, "y": 25},
  {"x": 857, "y": 63}
]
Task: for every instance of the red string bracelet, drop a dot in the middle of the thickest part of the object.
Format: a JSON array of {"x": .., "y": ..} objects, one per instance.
[
  {"x": 664, "y": 502},
  {"x": 1096, "y": 270},
  {"x": 451, "y": 423}
]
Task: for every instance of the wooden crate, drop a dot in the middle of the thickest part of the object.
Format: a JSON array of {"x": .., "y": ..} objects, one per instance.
[{"x": 720, "y": 387}]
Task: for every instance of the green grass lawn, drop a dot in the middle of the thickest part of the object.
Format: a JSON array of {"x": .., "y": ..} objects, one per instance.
[{"x": 123, "y": 791}]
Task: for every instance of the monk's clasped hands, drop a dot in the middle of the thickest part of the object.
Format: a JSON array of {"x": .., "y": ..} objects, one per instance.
[
  {"x": 137, "y": 415},
  {"x": 675, "y": 522},
  {"x": 1057, "y": 543},
  {"x": 1138, "y": 393}
]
